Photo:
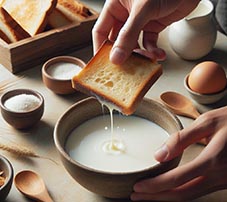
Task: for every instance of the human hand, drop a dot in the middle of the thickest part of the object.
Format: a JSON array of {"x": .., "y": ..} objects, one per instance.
[
  {"x": 204, "y": 174},
  {"x": 123, "y": 20}
]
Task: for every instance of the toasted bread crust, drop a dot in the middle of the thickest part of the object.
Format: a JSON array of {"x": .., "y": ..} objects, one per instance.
[
  {"x": 74, "y": 7},
  {"x": 46, "y": 16},
  {"x": 67, "y": 12},
  {"x": 32, "y": 16},
  {"x": 4, "y": 37},
  {"x": 101, "y": 59},
  {"x": 12, "y": 31}
]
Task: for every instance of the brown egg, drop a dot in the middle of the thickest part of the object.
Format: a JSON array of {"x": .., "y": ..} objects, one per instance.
[{"x": 207, "y": 77}]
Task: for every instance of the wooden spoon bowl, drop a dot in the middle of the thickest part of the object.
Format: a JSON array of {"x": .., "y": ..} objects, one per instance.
[
  {"x": 179, "y": 104},
  {"x": 32, "y": 185}
]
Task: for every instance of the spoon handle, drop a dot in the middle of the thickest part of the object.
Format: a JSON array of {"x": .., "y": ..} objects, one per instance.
[
  {"x": 47, "y": 198},
  {"x": 195, "y": 114},
  {"x": 43, "y": 196}
]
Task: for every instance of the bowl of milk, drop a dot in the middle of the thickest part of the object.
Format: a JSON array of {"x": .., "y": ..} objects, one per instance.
[
  {"x": 57, "y": 73},
  {"x": 108, "y": 154}
]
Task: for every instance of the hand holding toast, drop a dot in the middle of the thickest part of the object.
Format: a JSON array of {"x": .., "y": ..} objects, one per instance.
[{"x": 122, "y": 22}]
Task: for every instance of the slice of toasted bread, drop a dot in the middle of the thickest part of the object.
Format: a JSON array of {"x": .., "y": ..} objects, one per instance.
[
  {"x": 68, "y": 11},
  {"x": 123, "y": 85},
  {"x": 10, "y": 30},
  {"x": 32, "y": 15}
]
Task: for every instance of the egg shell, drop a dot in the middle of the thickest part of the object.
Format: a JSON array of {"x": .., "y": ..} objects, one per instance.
[{"x": 207, "y": 77}]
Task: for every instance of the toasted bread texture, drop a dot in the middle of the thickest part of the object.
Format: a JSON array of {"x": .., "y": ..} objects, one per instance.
[
  {"x": 68, "y": 11},
  {"x": 123, "y": 85},
  {"x": 10, "y": 30},
  {"x": 32, "y": 15}
]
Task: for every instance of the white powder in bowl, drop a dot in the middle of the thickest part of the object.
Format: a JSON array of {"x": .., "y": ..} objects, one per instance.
[
  {"x": 64, "y": 70},
  {"x": 22, "y": 103}
]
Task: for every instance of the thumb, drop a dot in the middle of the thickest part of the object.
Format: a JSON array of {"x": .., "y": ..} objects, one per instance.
[
  {"x": 180, "y": 140},
  {"x": 170, "y": 149}
]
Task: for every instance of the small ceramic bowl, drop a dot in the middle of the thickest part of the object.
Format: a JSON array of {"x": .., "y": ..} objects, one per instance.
[
  {"x": 204, "y": 98},
  {"x": 57, "y": 76},
  {"x": 7, "y": 169},
  {"x": 106, "y": 183},
  {"x": 22, "y": 119}
]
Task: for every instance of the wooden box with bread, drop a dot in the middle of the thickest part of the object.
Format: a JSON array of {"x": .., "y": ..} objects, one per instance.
[{"x": 32, "y": 31}]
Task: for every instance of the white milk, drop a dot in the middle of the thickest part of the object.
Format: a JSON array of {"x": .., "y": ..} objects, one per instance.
[{"x": 135, "y": 141}]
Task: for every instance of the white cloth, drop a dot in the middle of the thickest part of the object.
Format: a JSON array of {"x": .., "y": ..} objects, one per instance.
[{"x": 221, "y": 14}]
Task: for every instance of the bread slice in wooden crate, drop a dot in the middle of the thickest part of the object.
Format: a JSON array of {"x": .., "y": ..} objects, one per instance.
[
  {"x": 10, "y": 30},
  {"x": 32, "y": 51},
  {"x": 31, "y": 15},
  {"x": 68, "y": 11}
]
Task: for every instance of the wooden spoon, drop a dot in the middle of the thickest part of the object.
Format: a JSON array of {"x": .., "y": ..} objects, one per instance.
[
  {"x": 32, "y": 185},
  {"x": 179, "y": 104}
]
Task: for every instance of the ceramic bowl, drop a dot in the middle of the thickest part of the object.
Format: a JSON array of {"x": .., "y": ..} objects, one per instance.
[
  {"x": 22, "y": 120},
  {"x": 204, "y": 98},
  {"x": 7, "y": 169},
  {"x": 104, "y": 183},
  {"x": 56, "y": 84}
]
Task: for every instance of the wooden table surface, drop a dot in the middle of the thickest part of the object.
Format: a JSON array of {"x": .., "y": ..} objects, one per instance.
[{"x": 40, "y": 138}]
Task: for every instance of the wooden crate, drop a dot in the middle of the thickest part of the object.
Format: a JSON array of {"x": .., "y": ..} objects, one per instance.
[{"x": 32, "y": 51}]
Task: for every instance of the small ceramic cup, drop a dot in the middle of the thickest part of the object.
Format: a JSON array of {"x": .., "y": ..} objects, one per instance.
[
  {"x": 57, "y": 76},
  {"x": 7, "y": 169},
  {"x": 22, "y": 119},
  {"x": 204, "y": 98}
]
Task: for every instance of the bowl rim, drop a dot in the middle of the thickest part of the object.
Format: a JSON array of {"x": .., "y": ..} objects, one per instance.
[
  {"x": 224, "y": 91},
  {"x": 10, "y": 170},
  {"x": 57, "y": 59},
  {"x": 19, "y": 91},
  {"x": 62, "y": 151}
]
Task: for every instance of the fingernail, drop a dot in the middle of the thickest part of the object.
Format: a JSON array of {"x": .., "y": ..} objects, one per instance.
[
  {"x": 117, "y": 55},
  {"x": 162, "y": 153}
]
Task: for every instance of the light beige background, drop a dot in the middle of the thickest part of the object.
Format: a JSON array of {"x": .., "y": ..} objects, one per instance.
[{"x": 40, "y": 138}]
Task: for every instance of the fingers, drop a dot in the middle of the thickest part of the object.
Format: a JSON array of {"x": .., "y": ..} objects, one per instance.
[
  {"x": 203, "y": 128},
  {"x": 109, "y": 21},
  {"x": 205, "y": 174},
  {"x": 125, "y": 26},
  {"x": 123, "y": 21},
  {"x": 177, "y": 142},
  {"x": 126, "y": 41},
  {"x": 100, "y": 33},
  {"x": 115, "y": 30},
  {"x": 150, "y": 44},
  {"x": 191, "y": 190},
  {"x": 172, "y": 148},
  {"x": 178, "y": 182},
  {"x": 173, "y": 178},
  {"x": 156, "y": 54}
]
